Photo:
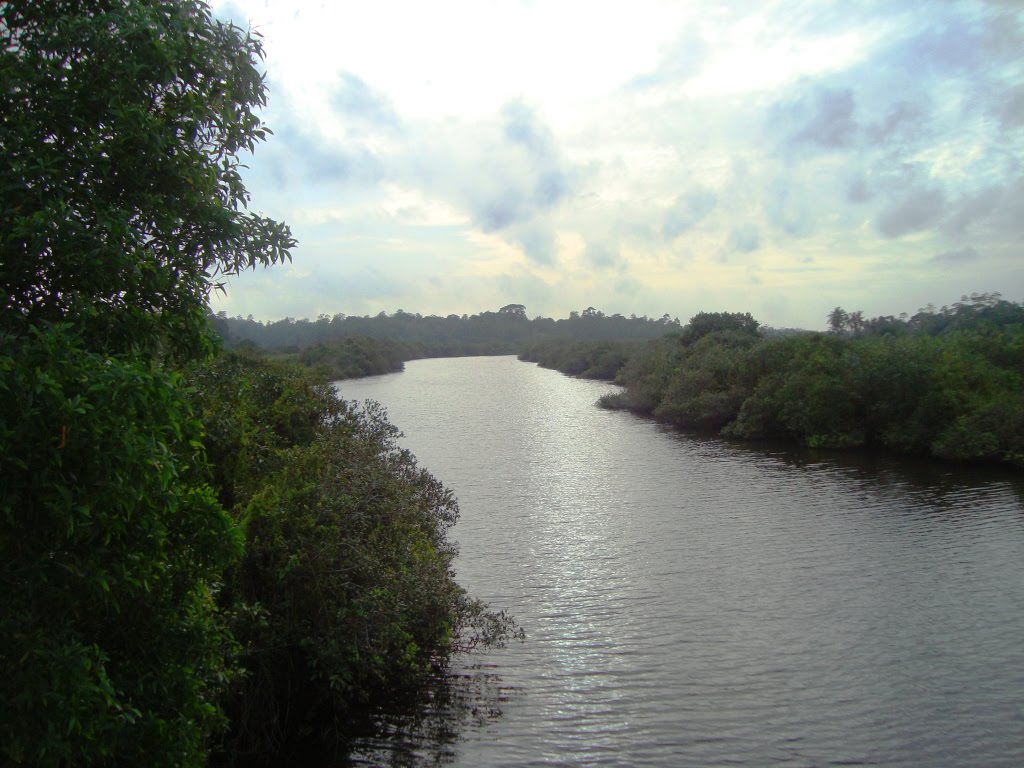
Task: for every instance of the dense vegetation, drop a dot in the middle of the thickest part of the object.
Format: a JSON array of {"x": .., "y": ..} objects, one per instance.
[
  {"x": 344, "y": 594},
  {"x": 586, "y": 359},
  {"x": 946, "y": 382},
  {"x": 348, "y": 346},
  {"x": 182, "y": 539},
  {"x": 111, "y": 551},
  {"x": 355, "y": 356},
  {"x": 120, "y": 128},
  {"x": 203, "y": 554}
]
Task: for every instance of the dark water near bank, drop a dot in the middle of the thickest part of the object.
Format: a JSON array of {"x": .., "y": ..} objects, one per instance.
[{"x": 696, "y": 602}]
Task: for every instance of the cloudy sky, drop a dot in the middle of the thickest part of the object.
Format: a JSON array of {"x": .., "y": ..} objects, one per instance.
[{"x": 779, "y": 158}]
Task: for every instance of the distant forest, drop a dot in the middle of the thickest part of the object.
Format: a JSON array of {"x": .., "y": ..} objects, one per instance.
[
  {"x": 344, "y": 346},
  {"x": 946, "y": 382}
]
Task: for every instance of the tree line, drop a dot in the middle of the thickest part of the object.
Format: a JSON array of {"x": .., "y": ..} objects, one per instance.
[
  {"x": 345, "y": 346},
  {"x": 946, "y": 382}
]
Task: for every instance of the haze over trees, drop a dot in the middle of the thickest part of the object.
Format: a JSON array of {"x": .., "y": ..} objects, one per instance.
[
  {"x": 346, "y": 346},
  {"x": 499, "y": 332}
]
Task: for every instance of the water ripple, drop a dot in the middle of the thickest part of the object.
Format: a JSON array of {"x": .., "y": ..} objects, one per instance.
[{"x": 694, "y": 602}]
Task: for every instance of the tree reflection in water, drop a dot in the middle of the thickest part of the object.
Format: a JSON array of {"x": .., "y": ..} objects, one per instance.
[{"x": 422, "y": 728}]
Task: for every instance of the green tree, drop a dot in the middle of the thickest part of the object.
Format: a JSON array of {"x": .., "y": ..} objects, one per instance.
[
  {"x": 121, "y": 128},
  {"x": 703, "y": 323},
  {"x": 838, "y": 320},
  {"x": 807, "y": 393},
  {"x": 518, "y": 310},
  {"x": 707, "y": 387},
  {"x": 345, "y": 595}
]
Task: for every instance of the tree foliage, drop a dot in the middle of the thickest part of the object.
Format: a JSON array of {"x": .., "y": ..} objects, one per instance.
[
  {"x": 110, "y": 556},
  {"x": 121, "y": 129},
  {"x": 345, "y": 593},
  {"x": 588, "y": 360},
  {"x": 704, "y": 323},
  {"x": 947, "y": 383},
  {"x": 506, "y": 331},
  {"x": 355, "y": 356}
]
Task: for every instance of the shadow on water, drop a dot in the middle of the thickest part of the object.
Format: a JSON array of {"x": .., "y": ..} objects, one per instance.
[
  {"x": 424, "y": 728},
  {"x": 936, "y": 480}
]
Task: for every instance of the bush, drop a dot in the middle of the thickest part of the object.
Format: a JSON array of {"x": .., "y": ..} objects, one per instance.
[
  {"x": 110, "y": 551},
  {"x": 346, "y": 593}
]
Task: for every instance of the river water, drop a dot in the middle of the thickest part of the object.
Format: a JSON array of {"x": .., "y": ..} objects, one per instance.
[{"x": 697, "y": 602}]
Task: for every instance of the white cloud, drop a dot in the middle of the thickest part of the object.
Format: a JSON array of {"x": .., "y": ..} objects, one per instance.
[{"x": 645, "y": 159}]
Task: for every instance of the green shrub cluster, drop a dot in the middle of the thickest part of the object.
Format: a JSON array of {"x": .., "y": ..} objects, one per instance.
[
  {"x": 586, "y": 359},
  {"x": 952, "y": 389},
  {"x": 355, "y": 356},
  {"x": 111, "y": 550},
  {"x": 345, "y": 593},
  {"x": 956, "y": 396}
]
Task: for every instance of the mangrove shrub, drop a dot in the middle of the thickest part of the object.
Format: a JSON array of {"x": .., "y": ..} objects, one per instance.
[{"x": 345, "y": 595}]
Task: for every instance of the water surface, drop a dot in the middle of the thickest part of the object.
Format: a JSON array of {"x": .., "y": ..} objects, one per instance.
[{"x": 696, "y": 602}]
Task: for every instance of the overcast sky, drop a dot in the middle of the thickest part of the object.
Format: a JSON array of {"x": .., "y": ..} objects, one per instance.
[{"x": 779, "y": 158}]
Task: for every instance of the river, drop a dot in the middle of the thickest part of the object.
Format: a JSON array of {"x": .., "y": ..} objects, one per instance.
[{"x": 691, "y": 601}]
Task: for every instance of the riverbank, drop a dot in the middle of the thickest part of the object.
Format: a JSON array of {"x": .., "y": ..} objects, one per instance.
[{"x": 955, "y": 394}]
